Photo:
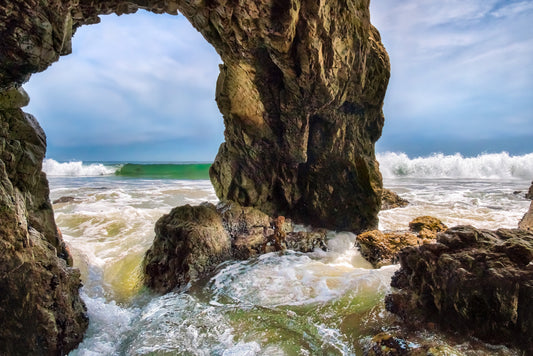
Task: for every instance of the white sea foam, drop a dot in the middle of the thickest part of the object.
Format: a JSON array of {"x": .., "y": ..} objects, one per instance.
[
  {"x": 484, "y": 166},
  {"x": 76, "y": 169}
]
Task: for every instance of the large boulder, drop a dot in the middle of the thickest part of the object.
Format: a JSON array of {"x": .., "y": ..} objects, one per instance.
[
  {"x": 191, "y": 241},
  {"x": 476, "y": 282}
]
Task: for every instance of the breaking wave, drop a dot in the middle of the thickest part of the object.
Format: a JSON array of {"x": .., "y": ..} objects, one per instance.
[
  {"x": 484, "y": 166},
  {"x": 76, "y": 169}
]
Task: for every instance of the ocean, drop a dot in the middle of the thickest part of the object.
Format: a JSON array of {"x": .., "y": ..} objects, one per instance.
[{"x": 320, "y": 303}]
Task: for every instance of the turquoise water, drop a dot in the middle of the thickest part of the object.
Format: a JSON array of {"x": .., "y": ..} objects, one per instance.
[{"x": 165, "y": 171}]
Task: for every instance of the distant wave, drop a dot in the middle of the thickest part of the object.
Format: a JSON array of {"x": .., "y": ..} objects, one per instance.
[
  {"x": 76, "y": 169},
  {"x": 484, "y": 166},
  {"x": 165, "y": 171}
]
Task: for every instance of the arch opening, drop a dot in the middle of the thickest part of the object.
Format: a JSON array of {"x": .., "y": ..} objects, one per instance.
[{"x": 291, "y": 147}]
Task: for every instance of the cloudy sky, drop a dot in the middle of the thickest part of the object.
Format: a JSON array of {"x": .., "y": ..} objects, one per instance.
[{"x": 141, "y": 87}]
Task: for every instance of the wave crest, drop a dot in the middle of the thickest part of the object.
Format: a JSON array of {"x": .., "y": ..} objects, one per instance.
[
  {"x": 76, "y": 169},
  {"x": 484, "y": 166}
]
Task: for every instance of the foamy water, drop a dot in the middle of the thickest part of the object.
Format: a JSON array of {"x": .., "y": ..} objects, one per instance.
[{"x": 277, "y": 304}]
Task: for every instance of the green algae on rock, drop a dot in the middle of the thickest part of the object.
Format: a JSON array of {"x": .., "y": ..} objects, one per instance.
[
  {"x": 477, "y": 282},
  {"x": 382, "y": 248}
]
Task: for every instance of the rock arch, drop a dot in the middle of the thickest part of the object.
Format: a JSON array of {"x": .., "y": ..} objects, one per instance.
[{"x": 301, "y": 92}]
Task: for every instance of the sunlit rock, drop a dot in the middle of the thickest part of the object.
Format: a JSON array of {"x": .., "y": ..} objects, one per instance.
[{"x": 383, "y": 248}]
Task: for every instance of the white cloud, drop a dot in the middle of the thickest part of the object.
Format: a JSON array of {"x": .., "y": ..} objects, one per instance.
[
  {"x": 136, "y": 78},
  {"x": 458, "y": 67}
]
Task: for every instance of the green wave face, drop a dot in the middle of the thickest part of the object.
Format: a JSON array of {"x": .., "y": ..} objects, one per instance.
[{"x": 165, "y": 171}]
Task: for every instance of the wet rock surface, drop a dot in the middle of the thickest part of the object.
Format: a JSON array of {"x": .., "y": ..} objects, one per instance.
[
  {"x": 41, "y": 312},
  {"x": 191, "y": 241},
  {"x": 391, "y": 200},
  {"x": 383, "y": 248},
  {"x": 476, "y": 282}
]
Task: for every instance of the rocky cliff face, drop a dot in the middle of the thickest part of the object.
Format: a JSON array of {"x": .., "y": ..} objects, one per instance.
[
  {"x": 41, "y": 312},
  {"x": 301, "y": 91}
]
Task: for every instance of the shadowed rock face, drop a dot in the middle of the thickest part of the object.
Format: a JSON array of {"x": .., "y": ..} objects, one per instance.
[{"x": 301, "y": 92}]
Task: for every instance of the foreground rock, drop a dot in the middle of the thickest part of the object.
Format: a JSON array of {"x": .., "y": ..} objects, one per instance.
[
  {"x": 192, "y": 240},
  {"x": 382, "y": 248},
  {"x": 391, "y": 200},
  {"x": 41, "y": 312},
  {"x": 476, "y": 282}
]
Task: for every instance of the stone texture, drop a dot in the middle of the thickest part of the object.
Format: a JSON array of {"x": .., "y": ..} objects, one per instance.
[
  {"x": 41, "y": 312},
  {"x": 476, "y": 282},
  {"x": 382, "y": 248},
  {"x": 391, "y": 200},
  {"x": 191, "y": 241},
  {"x": 527, "y": 220}
]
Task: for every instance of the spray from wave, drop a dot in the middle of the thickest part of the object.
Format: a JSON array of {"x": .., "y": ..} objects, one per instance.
[
  {"x": 484, "y": 166},
  {"x": 76, "y": 169}
]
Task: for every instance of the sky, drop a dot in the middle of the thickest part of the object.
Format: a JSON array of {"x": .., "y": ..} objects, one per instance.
[{"x": 141, "y": 87}]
